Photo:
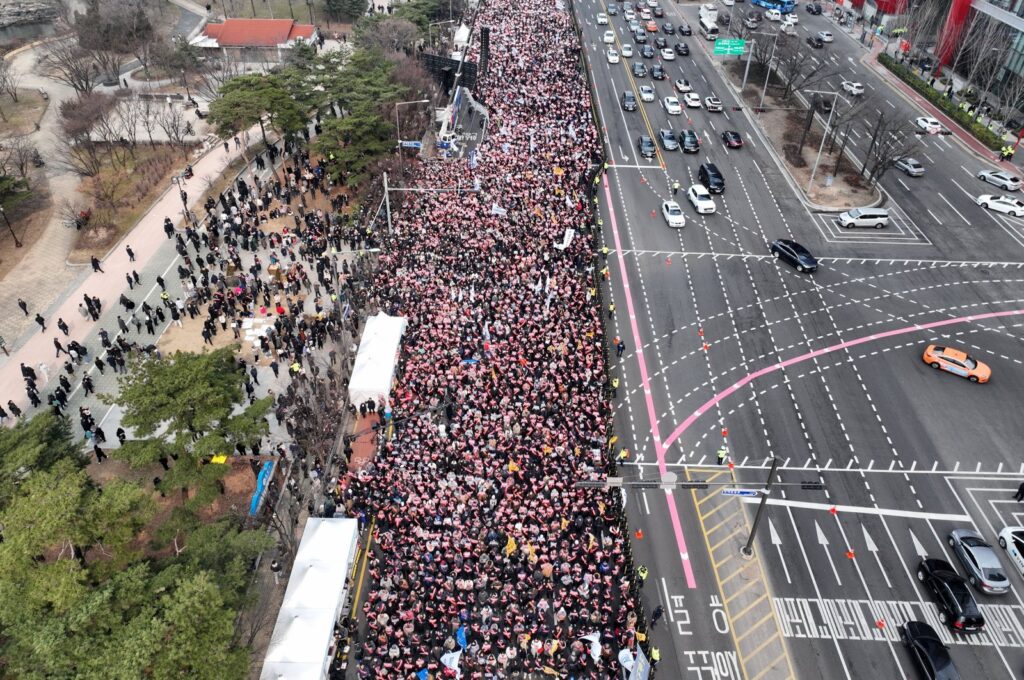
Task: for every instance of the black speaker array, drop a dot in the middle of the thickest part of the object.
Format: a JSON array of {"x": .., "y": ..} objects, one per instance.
[{"x": 485, "y": 48}]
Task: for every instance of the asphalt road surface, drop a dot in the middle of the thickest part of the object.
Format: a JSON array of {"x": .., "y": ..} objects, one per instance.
[{"x": 726, "y": 346}]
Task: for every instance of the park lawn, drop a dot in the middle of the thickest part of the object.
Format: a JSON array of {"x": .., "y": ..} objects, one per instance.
[
  {"x": 135, "y": 188},
  {"x": 20, "y": 117}
]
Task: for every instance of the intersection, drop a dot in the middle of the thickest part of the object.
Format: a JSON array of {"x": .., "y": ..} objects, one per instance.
[{"x": 725, "y": 347}]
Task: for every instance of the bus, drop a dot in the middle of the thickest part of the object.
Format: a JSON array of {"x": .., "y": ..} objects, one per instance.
[
  {"x": 784, "y": 6},
  {"x": 708, "y": 29}
]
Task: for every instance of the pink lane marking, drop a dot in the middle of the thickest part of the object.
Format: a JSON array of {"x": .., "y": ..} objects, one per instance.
[
  {"x": 710, "y": 403},
  {"x": 677, "y": 527}
]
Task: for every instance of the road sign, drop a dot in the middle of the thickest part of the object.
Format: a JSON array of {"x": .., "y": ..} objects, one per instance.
[
  {"x": 746, "y": 493},
  {"x": 412, "y": 145},
  {"x": 729, "y": 46}
]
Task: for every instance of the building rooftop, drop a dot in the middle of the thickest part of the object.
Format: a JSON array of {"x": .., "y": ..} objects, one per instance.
[{"x": 254, "y": 33}]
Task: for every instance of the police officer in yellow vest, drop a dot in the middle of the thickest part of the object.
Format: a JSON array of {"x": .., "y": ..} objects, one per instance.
[
  {"x": 615, "y": 387},
  {"x": 641, "y": 573},
  {"x": 655, "y": 657}
]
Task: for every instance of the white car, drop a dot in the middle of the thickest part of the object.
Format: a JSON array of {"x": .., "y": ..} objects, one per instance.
[
  {"x": 627, "y": 50},
  {"x": 692, "y": 100},
  {"x": 668, "y": 54},
  {"x": 791, "y": 18},
  {"x": 646, "y": 93},
  {"x": 1003, "y": 204},
  {"x": 673, "y": 214},
  {"x": 1011, "y": 539},
  {"x": 672, "y": 106},
  {"x": 602, "y": 19},
  {"x": 609, "y": 37},
  {"x": 629, "y": 15},
  {"x": 652, "y": 3},
  {"x": 910, "y": 166},
  {"x": 713, "y": 104},
  {"x": 1003, "y": 180},
  {"x": 728, "y": 3},
  {"x": 682, "y": 85},
  {"x": 646, "y": 15},
  {"x": 826, "y": 36},
  {"x": 773, "y": 15},
  {"x": 928, "y": 124},
  {"x": 853, "y": 88},
  {"x": 613, "y": 56},
  {"x": 700, "y": 199}
]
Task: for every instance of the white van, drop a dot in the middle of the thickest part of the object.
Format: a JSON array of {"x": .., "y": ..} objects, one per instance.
[
  {"x": 708, "y": 29},
  {"x": 709, "y": 11},
  {"x": 863, "y": 217}
]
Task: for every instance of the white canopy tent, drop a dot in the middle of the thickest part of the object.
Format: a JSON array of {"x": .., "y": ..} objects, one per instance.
[
  {"x": 376, "y": 359},
  {"x": 317, "y": 591}
]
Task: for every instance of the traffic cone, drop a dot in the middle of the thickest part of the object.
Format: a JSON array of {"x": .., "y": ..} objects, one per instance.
[{"x": 639, "y": 534}]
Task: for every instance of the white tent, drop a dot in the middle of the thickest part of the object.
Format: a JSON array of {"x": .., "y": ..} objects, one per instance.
[
  {"x": 317, "y": 590},
  {"x": 376, "y": 359},
  {"x": 462, "y": 36}
]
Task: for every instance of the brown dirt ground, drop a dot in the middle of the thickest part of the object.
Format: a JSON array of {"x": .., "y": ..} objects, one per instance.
[
  {"x": 29, "y": 220},
  {"x": 775, "y": 125},
  {"x": 22, "y": 115}
]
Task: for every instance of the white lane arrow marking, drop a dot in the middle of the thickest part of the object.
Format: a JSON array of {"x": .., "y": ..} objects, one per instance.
[
  {"x": 823, "y": 542},
  {"x": 873, "y": 549},
  {"x": 918, "y": 548},
  {"x": 777, "y": 542}
]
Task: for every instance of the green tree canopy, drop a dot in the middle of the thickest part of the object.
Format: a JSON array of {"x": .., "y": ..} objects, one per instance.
[
  {"x": 255, "y": 98},
  {"x": 357, "y": 140}
]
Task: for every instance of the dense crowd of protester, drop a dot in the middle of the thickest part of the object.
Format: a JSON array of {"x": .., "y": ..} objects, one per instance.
[{"x": 487, "y": 559}]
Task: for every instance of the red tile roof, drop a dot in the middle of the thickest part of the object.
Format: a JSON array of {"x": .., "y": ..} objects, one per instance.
[{"x": 257, "y": 32}]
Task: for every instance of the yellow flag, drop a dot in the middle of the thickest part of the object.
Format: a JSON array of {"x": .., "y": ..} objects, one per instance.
[
  {"x": 510, "y": 547},
  {"x": 530, "y": 550},
  {"x": 558, "y": 171},
  {"x": 512, "y": 467},
  {"x": 547, "y": 449},
  {"x": 640, "y": 637},
  {"x": 219, "y": 460},
  {"x": 590, "y": 541},
  {"x": 565, "y": 523},
  {"x": 554, "y": 648},
  {"x": 613, "y": 440}
]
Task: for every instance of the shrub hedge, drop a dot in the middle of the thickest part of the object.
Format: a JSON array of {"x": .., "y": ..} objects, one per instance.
[{"x": 966, "y": 121}]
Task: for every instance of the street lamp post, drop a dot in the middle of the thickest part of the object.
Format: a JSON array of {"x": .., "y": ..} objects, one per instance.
[
  {"x": 398, "y": 131},
  {"x": 17, "y": 242},
  {"x": 184, "y": 81},
  {"x": 768, "y": 71},
  {"x": 828, "y": 123}
]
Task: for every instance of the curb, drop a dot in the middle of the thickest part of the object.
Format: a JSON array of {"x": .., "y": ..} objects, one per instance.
[{"x": 887, "y": 75}]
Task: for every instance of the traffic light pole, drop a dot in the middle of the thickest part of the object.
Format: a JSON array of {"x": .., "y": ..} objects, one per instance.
[{"x": 748, "y": 549}]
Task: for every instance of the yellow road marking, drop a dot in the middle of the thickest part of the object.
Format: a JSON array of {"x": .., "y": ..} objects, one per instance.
[
  {"x": 740, "y": 613},
  {"x": 718, "y": 545},
  {"x": 768, "y": 666},
  {"x": 362, "y": 568},
  {"x": 719, "y": 525},
  {"x": 756, "y": 626},
  {"x": 771, "y": 639},
  {"x": 743, "y": 568}
]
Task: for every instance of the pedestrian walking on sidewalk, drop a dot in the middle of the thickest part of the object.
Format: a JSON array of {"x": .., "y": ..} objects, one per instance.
[
  {"x": 63, "y": 327},
  {"x": 23, "y": 305},
  {"x": 42, "y": 323},
  {"x": 87, "y": 385},
  {"x": 131, "y": 253},
  {"x": 60, "y": 347},
  {"x": 96, "y": 265},
  {"x": 13, "y": 408},
  {"x": 131, "y": 283},
  {"x": 656, "y": 614}
]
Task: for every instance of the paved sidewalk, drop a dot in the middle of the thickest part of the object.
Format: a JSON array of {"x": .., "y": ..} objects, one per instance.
[
  {"x": 154, "y": 254},
  {"x": 910, "y": 94}
]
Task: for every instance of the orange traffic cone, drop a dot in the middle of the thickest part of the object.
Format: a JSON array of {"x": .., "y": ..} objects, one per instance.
[{"x": 639, "y": 534}]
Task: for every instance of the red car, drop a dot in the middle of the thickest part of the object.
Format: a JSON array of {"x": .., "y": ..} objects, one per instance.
[{"x": 732, "y": 139}]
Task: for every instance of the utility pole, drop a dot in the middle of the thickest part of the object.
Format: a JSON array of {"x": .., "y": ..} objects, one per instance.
[
  {"x": 17, "y": 242},
  {"x": 842, "y": 149},
  {"x": 746, "y": 71},
  {"x": 387, "y": 201},
  {"x": 874, "y": 138},
  {"x": 768, "y": 73}
]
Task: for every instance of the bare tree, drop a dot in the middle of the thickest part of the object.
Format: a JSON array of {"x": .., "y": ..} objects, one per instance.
[
  {"x": 920, "y": 24},
  {"x": 215, "y": 73},
  {"x": 891, "y": 140},
  {"x": 10, "y": 79},
  {"x": 1011, "y": 97},
  {"x": 79, "y": 121},
  {"x": 129, "y": 111},
  {"x": 148, "y": 110},
  {"x": 798, "y": 69},
  {"x": 18, "y": 153},
  {"x": 171, "y": 120},
  {"x": 66, "y": 62},
  {"x": 963, "y": 42},
  {"x": 391, "y": 35}
]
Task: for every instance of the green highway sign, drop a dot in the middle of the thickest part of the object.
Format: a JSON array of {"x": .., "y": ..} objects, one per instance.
[{"x": 729, "y": 46}]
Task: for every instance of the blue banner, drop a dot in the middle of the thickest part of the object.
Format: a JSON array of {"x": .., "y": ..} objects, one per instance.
[
  {"x": 460, "y": 636},
  {"x": 262, "y": 479}
]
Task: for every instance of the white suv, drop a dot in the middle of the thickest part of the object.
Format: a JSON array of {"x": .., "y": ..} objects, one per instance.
[{"x": 1003, "y": 180}]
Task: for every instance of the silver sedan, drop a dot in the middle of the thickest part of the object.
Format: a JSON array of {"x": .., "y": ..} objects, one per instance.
[{"x": 984, "y": 570}]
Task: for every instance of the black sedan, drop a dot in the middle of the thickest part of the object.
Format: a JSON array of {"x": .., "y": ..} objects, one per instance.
[
  {"x": 813, "y": 8},
  {"x": 684, "y": 29},
  {"x": 668, "y": 140},
  {"x": 926, "y": 648},
  {"x": 815, "y": 42},
  {"x": 957, "y": 607},
  {"x": 639, "y": 69},
  {"x": 794, "y": 254},
  {"x": 660, "y": 43},
  {"x": 682, "y": 49},
  {"x": 690, "y": 141},
  {"x": 646, "y": 147},
  {"x": 732, "y": 139},
  {"x": 658, "y": 72},
  {"x": 647, "y": 52},
  {"x": 658, "y": 12},
  {"x": 668, "y": 28}
]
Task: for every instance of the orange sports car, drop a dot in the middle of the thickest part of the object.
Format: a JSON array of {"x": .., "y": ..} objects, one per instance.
[{"x": 957, "y": 362}]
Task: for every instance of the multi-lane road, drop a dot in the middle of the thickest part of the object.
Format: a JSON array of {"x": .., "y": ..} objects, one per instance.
[{"x": 727, "y": 347}]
